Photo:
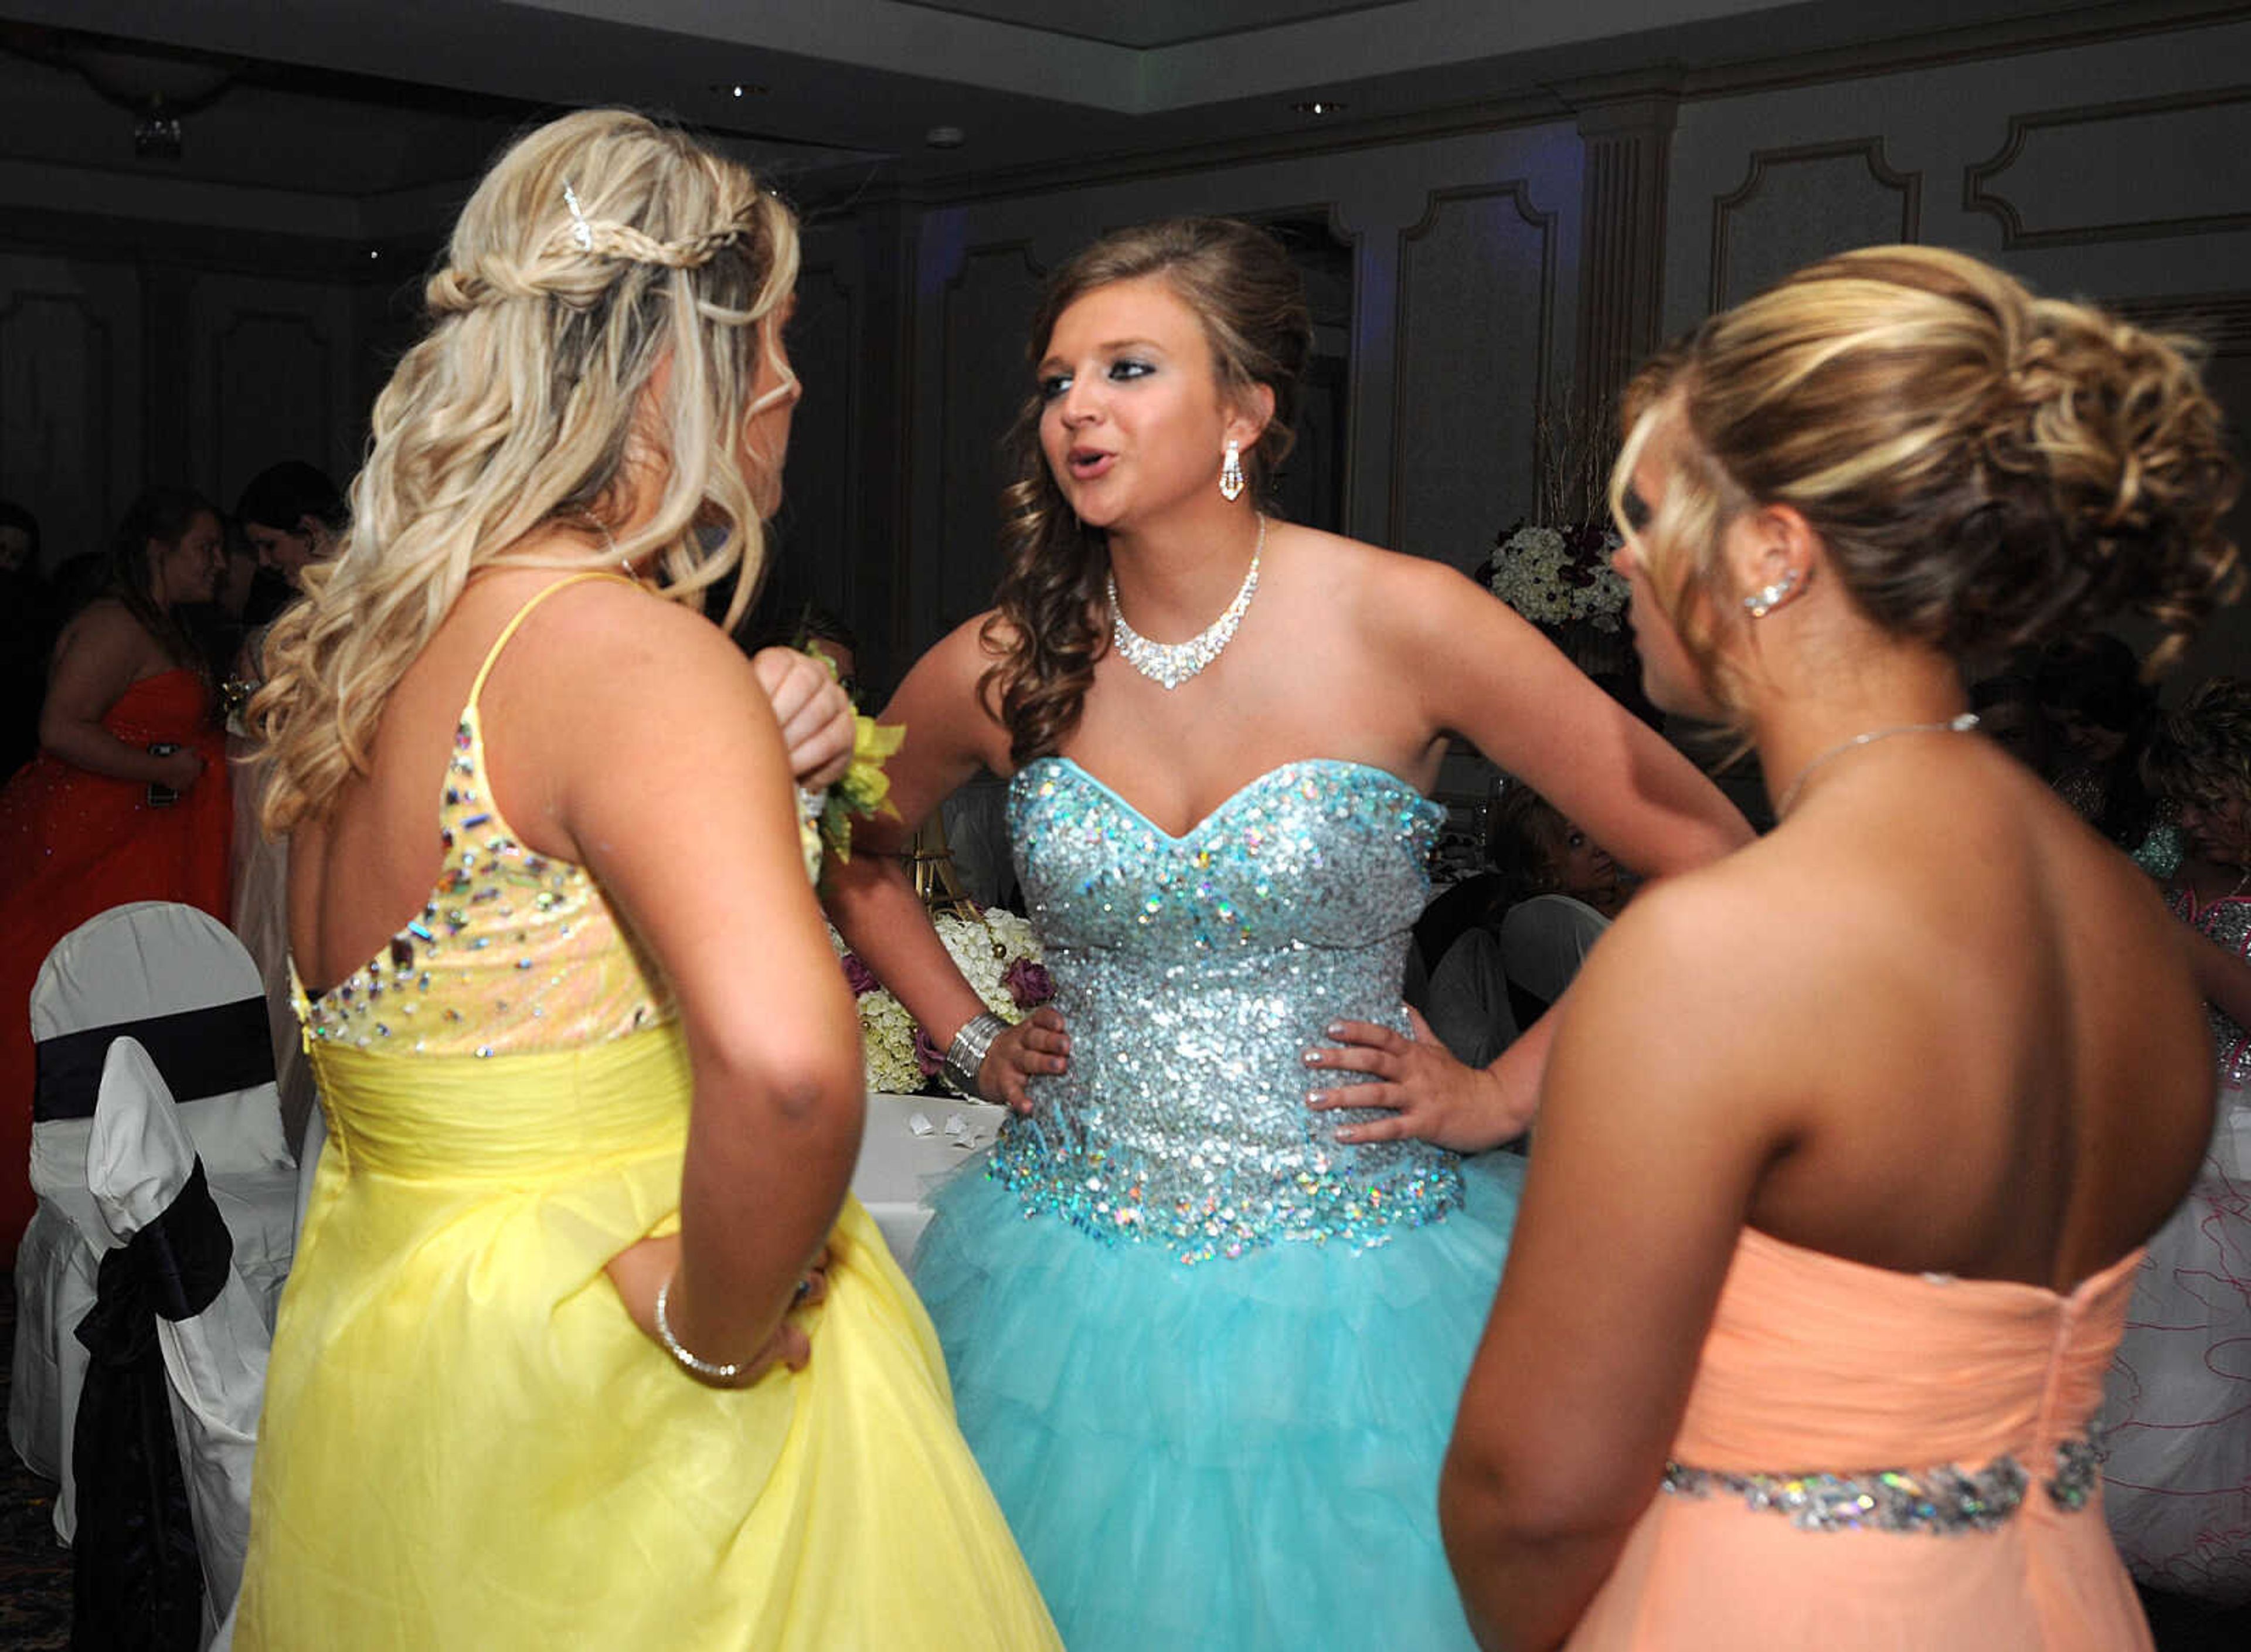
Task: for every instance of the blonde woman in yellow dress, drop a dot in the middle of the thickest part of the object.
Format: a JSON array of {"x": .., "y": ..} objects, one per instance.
[{"x": 587, "y": 1344}]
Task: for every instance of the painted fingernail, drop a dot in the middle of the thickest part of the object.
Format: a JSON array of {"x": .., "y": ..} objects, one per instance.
[
  {"x": 1312, "y": 1057},
  {"x": 1334, "y": 1030},
  {"x": 1313, "y": 1098},
  {"x": 1346, "y": 1134}
]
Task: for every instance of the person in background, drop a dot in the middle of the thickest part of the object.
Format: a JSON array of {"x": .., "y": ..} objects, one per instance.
[
  {"x": 2177, "y": 1419},
  {"x": 2099, "y": 712},
  {"x": 2009, "y": 714},
  {"x": 1849, "y": 1143},
  {"x": 290, "y": 516},
  {"x": 129, "y": 799},
  {"x": 1568, "y": 889}
]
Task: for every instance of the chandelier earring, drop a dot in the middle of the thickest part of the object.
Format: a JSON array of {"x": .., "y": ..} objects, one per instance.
[
  {"x": 1231, "y": 482},
  {"x": 1768, "y": 598}
]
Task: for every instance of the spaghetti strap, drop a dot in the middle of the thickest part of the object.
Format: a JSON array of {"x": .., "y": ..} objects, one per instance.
[{"x": 492, "y": 654}]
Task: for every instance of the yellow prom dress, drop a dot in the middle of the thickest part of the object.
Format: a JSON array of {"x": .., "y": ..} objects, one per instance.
[{"x": 466, "y": 1442}]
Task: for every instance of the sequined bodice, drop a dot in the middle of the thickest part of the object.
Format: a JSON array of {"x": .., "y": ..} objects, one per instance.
[
  {"x": 513, "y": 951},
  {"x": 2228, "y": 923},
  {"x": 1193, "y": 972}
]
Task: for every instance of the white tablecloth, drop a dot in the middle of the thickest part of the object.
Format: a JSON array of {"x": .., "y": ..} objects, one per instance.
[{"x": 897, "y": 1161}]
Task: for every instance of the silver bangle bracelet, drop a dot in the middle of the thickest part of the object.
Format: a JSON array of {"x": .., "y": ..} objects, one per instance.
[
  {"x": 965, "y": 1057},
  {"x": 710, "y": 1370}
]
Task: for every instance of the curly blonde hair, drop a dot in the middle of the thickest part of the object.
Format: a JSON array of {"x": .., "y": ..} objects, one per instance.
[
  {"x": 1985, "y": 468},
  {"x": 599, "y": 249}
]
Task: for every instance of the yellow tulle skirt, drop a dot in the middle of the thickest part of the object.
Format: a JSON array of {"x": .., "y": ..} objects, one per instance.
[{"x": 466, "y": 1442}]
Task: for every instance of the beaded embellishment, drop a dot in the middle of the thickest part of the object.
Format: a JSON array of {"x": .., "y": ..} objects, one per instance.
[
  {"x": 1193, "y": 972},
  {"x": 1170, "y": 664},
  {"x": 1946, "y": 1500}
]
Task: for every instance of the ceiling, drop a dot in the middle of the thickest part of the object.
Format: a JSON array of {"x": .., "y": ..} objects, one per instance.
[{"x": 366, "y": 100}]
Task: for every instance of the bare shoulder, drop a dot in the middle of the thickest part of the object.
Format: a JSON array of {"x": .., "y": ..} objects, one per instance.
[
  {"x": 1706, "y": 964},
  {"x": 104, "y": 627},
  {"x": 1355, "y": 568}
]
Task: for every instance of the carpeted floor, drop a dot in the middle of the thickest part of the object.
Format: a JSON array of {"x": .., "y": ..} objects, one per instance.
[{"x": 35, "y": 1570}]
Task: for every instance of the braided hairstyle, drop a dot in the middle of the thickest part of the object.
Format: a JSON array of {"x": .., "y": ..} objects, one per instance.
[
  {"x": 598, "y": 248},
  {"x": 1986, "y": 468}
]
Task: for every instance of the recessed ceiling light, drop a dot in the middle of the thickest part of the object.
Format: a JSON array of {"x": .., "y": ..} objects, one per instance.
[
  {"x": 945, "y": 138},
  {"x": 1318, "y": 106},
  {"x": 738, "y": 89}
]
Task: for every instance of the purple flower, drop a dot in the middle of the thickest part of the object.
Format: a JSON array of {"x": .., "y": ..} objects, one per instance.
[
  {"x": 858, "y": 976},
  {"x": 927, "y": 1055},
  {"x": 1028, "y": 983}
]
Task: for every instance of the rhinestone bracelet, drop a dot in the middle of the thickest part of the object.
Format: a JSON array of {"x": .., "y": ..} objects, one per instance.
[
  {"x": 709, "y": 1369},
  {"x": 965, "y": 1057}
]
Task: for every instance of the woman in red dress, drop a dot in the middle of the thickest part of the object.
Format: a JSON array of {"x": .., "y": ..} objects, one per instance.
[{"x": 128, "y": 799}]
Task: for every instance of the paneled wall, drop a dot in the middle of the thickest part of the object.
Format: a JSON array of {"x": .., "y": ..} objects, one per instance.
[
  {"x": 72, "y": 395},
  {"x": 116, "y": 371},
  {"x": 2119, "y": 172}
]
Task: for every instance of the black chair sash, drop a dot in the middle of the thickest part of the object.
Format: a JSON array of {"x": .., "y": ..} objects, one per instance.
[
  {"x": 210, "y": 1052},
  {"x": 137, "y": 1584}
]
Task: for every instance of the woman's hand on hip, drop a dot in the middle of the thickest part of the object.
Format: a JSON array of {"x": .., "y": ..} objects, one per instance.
[
  {"x": 1427, "y": 1093},
  {"x": 1037, "y": 1046},
  {"x": 642, "y": 1269}
]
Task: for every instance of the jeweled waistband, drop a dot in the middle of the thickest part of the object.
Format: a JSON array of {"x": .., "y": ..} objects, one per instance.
[
  {"x": 1945, "y": 1500},
  {"x": 1113, "y": 1192}
]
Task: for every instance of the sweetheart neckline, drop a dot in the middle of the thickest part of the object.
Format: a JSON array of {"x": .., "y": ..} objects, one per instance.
[{"x": 1233, "y": 797}]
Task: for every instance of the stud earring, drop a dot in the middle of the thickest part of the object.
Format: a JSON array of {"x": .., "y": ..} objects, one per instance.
[
  {"x": 1767, "y": 599},
  {"x": 1230, "y": 474}
]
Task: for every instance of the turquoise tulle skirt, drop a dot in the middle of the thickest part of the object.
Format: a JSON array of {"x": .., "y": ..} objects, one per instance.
[{"x": 1236, "y": 1454}]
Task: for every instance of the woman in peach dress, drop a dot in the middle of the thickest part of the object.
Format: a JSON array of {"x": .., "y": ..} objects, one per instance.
[{"x": 1849, "y": 1143}]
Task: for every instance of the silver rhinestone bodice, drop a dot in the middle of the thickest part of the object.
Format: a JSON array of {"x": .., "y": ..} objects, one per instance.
[{"x": 1193, "y": 972}]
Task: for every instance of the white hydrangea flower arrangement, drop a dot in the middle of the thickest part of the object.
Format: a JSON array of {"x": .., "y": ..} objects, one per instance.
[
  {"x": 1560, "y": 576},
  {"x": 997, "y": 952}
]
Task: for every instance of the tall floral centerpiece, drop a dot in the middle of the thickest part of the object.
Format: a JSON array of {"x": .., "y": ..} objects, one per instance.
[
  {"x": 1558, "y": 578},
  {"x": 1555, "y": 570}
]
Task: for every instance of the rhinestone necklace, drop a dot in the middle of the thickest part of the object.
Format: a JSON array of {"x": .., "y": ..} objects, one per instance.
[
  {"x": 1170, "y": 664},
  {"x": 1961, "y": 725}
]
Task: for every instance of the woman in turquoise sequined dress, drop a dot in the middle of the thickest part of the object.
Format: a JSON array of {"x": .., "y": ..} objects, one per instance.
[{"x": 1206, "y": 1338}]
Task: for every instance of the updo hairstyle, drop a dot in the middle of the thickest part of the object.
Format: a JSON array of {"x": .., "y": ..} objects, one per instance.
[
  {"x": 598, "y": 248},
  {"x": 1050, "y": 627},
  {"x": 1985, "y": 468}
]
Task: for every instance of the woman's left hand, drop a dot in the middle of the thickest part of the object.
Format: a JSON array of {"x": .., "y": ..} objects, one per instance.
[
  {"x": 814, "y": 712},
  {"x": 1430, "y": 1095}
]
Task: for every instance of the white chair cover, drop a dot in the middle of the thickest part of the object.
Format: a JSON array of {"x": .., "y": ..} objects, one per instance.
[
  {"x": 1544, "y": 939},
  {"x": 133, "y": 964},
  {"x": 138, "y": 1159},
  {"x": 54, "y": 1286}
]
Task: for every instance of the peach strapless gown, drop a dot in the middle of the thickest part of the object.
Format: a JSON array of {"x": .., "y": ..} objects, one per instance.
[{"x": 1816, "y": 1365}]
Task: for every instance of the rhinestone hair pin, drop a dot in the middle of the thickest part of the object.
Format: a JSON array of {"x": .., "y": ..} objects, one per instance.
[{"x": 581, "y": 231}]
